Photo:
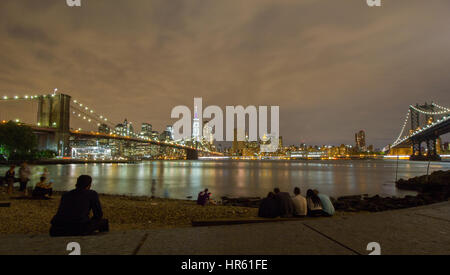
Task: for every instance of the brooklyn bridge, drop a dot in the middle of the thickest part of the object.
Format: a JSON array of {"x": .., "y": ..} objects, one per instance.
[{"x": 56, "y": 111}]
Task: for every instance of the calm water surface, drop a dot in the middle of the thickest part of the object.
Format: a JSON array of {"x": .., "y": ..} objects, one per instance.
[{"x": 179, "y": 179}]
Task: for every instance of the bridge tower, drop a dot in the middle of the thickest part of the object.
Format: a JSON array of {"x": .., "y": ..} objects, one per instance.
[
  {"x": 415, "y": 122},
  {"x": 54, "y": 112},
  {"x": 431, "y": 140}
]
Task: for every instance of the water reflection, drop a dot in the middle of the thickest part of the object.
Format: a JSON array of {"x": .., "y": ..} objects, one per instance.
[{"x": 179, "y": 179}]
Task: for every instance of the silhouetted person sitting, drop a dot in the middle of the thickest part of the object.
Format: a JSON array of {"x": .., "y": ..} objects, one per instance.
[
  {"x": 72, "y": 218},
  {"x": 285, "y": 203},
  {"x": 42, "y": 189},
  {"x": 269, "y": 207},
  {"x": 10, "y": 178},
  {"x": 315, "y": 208},
  {"x": 203, "y": 197},
  {"x": 327, "y": 205}
]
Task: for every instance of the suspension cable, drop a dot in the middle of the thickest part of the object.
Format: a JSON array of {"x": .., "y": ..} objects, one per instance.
[{"x": 404, "y": 126}]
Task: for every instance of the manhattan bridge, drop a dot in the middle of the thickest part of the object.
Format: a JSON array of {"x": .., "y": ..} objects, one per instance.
[
  {"x": 56, "y": 111},
  {"x": 423, "y": 125}
]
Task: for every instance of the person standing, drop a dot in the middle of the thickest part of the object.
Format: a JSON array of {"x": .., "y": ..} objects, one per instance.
[
  {"x": 300, "y": 205},
  {"x": 153, "y": 188},
  {"x": 10, "y": 178},
  {"x": 24, "y": 177}
]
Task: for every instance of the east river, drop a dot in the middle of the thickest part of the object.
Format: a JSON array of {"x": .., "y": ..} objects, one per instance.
[{"x": 181, "y": 179}]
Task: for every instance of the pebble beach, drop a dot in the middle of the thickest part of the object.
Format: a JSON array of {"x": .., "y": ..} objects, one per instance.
[{"x": 26, "y": 216}]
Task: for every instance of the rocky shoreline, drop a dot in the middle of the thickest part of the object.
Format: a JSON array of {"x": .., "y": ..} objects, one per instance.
[{"x": 432, "y": 189}]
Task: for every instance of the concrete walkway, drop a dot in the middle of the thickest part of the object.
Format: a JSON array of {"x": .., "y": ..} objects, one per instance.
[{"x": 422, "y": 230}]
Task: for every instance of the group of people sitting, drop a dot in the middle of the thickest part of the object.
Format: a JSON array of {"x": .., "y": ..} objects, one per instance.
[
  {"x": 204, "y": 198},
  {"x": 74, "y": 211},
  {"x": 281, "y": 204},
  {"x": 42, "y": 189},
  {"x": 23, "y": 179}
]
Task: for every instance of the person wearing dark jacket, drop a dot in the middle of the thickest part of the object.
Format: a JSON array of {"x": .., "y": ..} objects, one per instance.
[
  {"x": 203, "y": 197},
  {"x": 72, "y": 218},
  {"x": 285, "y": 203},
  {"x": 315, "y": 208},
  {"x": 269, "y": 207},
  {"x": 10, "y": 178}
]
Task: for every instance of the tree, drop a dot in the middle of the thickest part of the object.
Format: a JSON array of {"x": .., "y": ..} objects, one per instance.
[{"x": 17, "y": 141}]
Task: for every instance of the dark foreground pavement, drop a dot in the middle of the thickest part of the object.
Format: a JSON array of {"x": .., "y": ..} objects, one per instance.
[{"x": 422, "y": 230}]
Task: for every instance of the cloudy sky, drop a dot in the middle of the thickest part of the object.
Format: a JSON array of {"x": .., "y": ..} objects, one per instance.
[{"x": 333, "y": 67}]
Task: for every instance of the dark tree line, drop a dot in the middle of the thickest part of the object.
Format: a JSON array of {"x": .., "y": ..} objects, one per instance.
[{"x": 18, "y": 142}]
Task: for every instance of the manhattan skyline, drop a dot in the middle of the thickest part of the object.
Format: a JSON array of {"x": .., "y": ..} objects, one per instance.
[{"x": 334, "y": 68}]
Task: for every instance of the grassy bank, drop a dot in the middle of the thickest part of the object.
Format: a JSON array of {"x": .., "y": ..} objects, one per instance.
[{"x": 124, "y": 213}]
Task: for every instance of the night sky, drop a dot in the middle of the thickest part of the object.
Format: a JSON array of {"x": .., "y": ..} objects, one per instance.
[{"x": 333, "y": 67}]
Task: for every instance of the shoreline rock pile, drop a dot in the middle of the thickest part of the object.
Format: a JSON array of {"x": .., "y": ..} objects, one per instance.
[
  {"x": 437, "y": 182},
  {"x": 378, "y": 204},
  {"x": 432, "y": 189}
]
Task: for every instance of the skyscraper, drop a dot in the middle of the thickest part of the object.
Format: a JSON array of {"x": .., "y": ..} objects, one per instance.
[
  {"x": 146, "y": 130},
  {"x": 360, "y": 140},
  {"x": 208, "y": 133},
  {"x": 237, "y": 146},
  {"x": 103, "y": 128},
  {"x": 125, "y": 128},
  {"x": 169, "y": 130},
  {"x": 196, "y": 126}
]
